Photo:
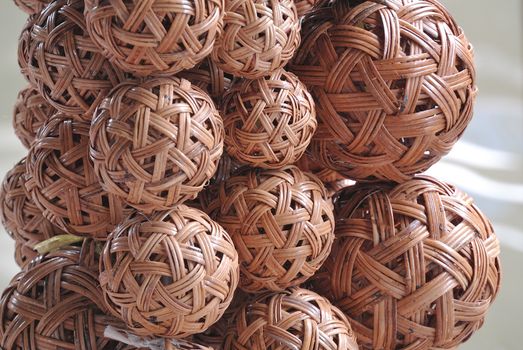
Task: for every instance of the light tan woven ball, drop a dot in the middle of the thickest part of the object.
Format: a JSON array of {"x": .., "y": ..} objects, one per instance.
[{"x": 269, "y": 122}]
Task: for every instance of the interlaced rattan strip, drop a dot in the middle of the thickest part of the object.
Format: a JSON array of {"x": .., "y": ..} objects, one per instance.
[{"x": 32, "y": 7}]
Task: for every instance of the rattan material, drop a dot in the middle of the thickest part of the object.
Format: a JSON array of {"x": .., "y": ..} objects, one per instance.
[
  {"x": 32, "y": 7},
  {"x": 269, "y": 122},
  {"x": 295, "y": 319},
  {"x": 30, "y": 113},
  {"x": 24, "y": 254},
  {"x": 171, "y": 274},
  {"x": 154, "y": 36},
  {"x": 415, "y": 266},
  {"x": 282, "y": 224},
  {"x": 157, "y": 143},
  {"x": 54, "y": 304},
  {"x": 309, "y": 164},
  {"x": 394, "y": 85},
  {"x": 63, "y": 184},
  {"x": 259, "y": 37},
  {"x": 56, "y": 54},
  {"x": 304, "y": 6}
]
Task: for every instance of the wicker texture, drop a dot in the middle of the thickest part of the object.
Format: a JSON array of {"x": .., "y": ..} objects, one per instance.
[
  {"x": 210, "y": 78},
  {"x": 269, "y": 122},
  {"x": 282, "y": 224},
  {"x": 310, "y": 164},
  {"x": 394, "y": 85},
  {"x": 24, "y": 254},
  {"x": 304, "y": 6},
  {"x": 259, "y": 37},
  {"x": 56, "y": 54},
  {"x": 171, "y": 274},
  {"x": 63, "y": 184},
  {"x": 157, "y": 143},
  {"x": 415, "y": 266},
  {"x": 32, "y": 7},
  {"x": 154, "y": 36},
  {"x": 295, "y": 319},
  {"x": 30, "y": 113}
]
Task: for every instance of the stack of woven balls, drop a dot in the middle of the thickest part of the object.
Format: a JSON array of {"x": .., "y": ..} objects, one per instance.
[{"x": 242, "y": 175}]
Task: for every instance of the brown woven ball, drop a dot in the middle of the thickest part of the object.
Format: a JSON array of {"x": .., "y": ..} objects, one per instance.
[
  {"x": 156, "y": 143},
  {"x": 294, "y": 319},
  {"x": 259, "y": 37},
  {"x": 282, "y": 224},
  {"x": 55, "y": 304},
  {"x": 304, "y": 6},
  {"x": 394, "y": 85},
  {"x": 269, "y": 122},
  {"x": 32, "y": 7},
  {"x": 171, "y": 274},
  {"x": 30, "y": 113},
  {"x": 56, "y": 54},
  {"x": 62, "y": 182},
  {"x": 156, "y": 36},
  {"x": 415, "y": 266}
]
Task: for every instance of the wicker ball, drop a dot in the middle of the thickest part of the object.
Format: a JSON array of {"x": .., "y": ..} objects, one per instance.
[
  {"x": 304, "y": 6},
  {"x": 30, "y": 113},
  {"x": 282, "y": 224},
  {"x": 54, "y": 304},
  {"x": 156, "y": 37},
  {"x": 57, "y": 56},
  {"x": 171, "y": 274},
  {"x": 294, "y": 319},
  {"x": 32, "y": 7},
  {"x": 394, "y": 85},
  {"x": 62, "y": 183},
  {"x": 414, "y": 266},
  {"x": 259, "y": 37},
  {"x": 269, "y": 122},
  {"x": 157, "y": 143}
]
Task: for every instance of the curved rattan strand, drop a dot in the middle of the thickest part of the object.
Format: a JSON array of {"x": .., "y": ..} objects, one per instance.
[
  {"x": 184, "y": 262},
  {"x": 24, "y": 254},
  {"x": 62, "y": 182},
  {"x": 304, "y": 6},
  {"x": 258, "y": 37},
  {"x": 154, "y": 36},
  {"x": 157, "y": 143},
  {"x": 269, "y": 122},
  {"x": 294, "y": 319},
  {"x": 395, "y": 91},
  {"x": 414, "y": 266},
  {"x": 32, "y": 7},
  {"x": 282, "y": 224},
  {"x": 56, "y": 54},
  {"x": 30, "y": 113}
]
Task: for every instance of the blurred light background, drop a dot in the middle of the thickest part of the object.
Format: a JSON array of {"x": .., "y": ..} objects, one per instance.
[{"x": 487, "y": 162}]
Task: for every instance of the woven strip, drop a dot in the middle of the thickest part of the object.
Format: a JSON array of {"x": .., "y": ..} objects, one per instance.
[
  {"x": 154, "y": 36},
  {"x": 62, "y": 182},
  {"x": 32, "y": 7},
  {"x": 269, "y": 122},
  {"x": 157, "y": 143},
  {"x": 295, "y": 319},
  {"x": 282, "y": 225},
  {"x": 394, "y": 85},
  {"x": 414, "y": 266},
  {"x": 210, "y": 78},
  {"x": 171, "y": 274},
  {"x": 304, "y": 6},
  {"x": 258, "y": 37},
  {"x": 24, "y": 254}
]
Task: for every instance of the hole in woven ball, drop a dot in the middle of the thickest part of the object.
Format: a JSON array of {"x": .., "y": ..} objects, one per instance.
[
  {"x": 287, "y": 227},
  {"x": 166, "y": 280}
]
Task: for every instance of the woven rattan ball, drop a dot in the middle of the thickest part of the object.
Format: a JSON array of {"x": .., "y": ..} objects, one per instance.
[
  {"x": 56, "y": 54},
  {"x": 32, "y": 7},
  {"x": 414, "y": 266},
  {"x": 304, "y": 6},
  {"x": 156, "y": 36},
  {"x": 62, "y": 182},
  {"x": 156, "y": 143},
  {"x": 30, "y": 113},
  {"x": 170, "y": 274},
  {"x": 259, "y": 37},
  {"x": 294, "y": 319},
  {"x": 282, "y": 224},
  {"x": 269, "y": 122},
  {"x": 394, "y": 85}
]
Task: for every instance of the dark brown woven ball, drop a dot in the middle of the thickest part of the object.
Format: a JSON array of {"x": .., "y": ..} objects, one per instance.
[
  {"x": 294, "y": 319},
  {"x": 171, "y": 274},
  {"x": 415, "y": 266},
  {"x": 32, "y": 7},
  {"x": 304, "y": 6},
  {"x": 282, "y": 224},
  {"x": 30, "y": 113},
  {"x": 259, "y": 37},
  {"x": 157, "y": 143},
  {"x": 394, "y": 84},
  {"x": 155, "y": 36},
  {"x": 269, "y": 122},
  {"x": 56, "y": 54},
  {"x": 62, "y": 182}
]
